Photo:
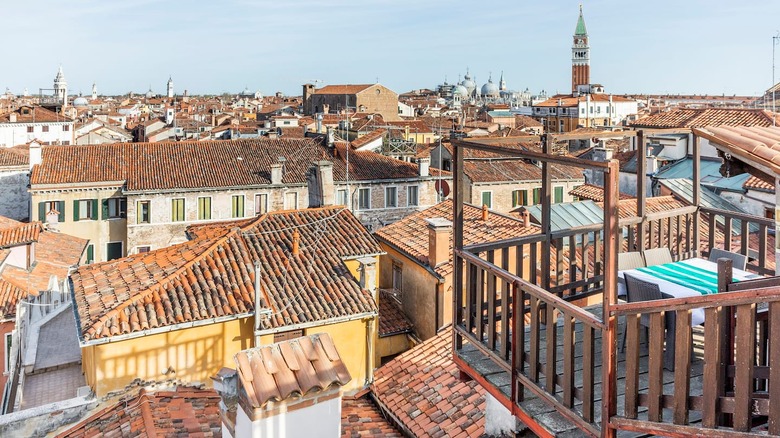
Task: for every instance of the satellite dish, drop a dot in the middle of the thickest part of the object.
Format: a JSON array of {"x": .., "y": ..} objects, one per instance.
[{"x": 443, "y": 188}]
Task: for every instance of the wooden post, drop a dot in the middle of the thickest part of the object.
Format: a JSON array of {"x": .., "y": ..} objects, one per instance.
[
  {"x": 641, "y": 187},
  {"x": 546, "y": 186},
  {"x": 457, "y": 243},
  {"x": 697, "y": 198},
  {"x": 609, "y": 335}
]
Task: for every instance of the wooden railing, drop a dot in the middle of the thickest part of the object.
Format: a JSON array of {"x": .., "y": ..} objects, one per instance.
[
  {"x": 739, "y": 384},
  {"x": 673, "y": 229},
  {"x": 742, "y": 233}
]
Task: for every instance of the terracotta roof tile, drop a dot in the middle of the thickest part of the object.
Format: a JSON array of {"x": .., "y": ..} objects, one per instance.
[
  {"x": 422, "y": 389},
  {"x": 757, "y": 145},
  {"x": 215, "y": 163},
  {"x": 170, "y": 413},
  {"x": 410, "y": 234},
  {"x": 15, "y": 156},
  {"x": 20, "y": 235},
  {"x": 10, "y": 294},
  {"x": 567, "y": 100},
  {"x": 755, "y": 183},
  {"x": 213, "y": 276},
  {"x": 700, "y": 117},
  {"x": 360, "y": 417},
  {"x": 292, "y": 368},
  {"x": 368, "y": 138},
  {"x": 392, "y": 320},
  {"x": 593, "y": 192},
  {"x": 37, "y": 114},
  {"x": 342, "y": 89}
]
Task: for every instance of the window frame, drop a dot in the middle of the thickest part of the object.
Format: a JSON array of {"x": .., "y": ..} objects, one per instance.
[
  {"x": 237, "y": 206},
  {"x": 361, "y": 205},
  {"x": 416, "y": 197},
  {"x": 178, "y": 214},
  {"x": 203, "y": 214},
  {"x": 394, "y": 197},
  {"x": 556, "y": 191},
  {"x": 261, "y": 200},
  {"x": 287, "y": 205},
  {"x": 87, "y": 210},
  {"x": 139, "y": 209},
  {"x": 519, "y": 198},
  {"x": 8, "y": 345},
  {"x": 121, "y": 249},
  {"x": 122, "y": 213},
  {"x": 342, "y": 197}
]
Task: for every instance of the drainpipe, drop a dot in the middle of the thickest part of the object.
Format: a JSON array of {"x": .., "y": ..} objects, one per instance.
[{"x": 369, "y": 353}]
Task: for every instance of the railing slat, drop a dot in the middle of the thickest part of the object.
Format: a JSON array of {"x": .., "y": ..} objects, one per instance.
[
  {"x": 743, "y": 241},
  {"x": 745, "y": 339},
  {"x": 505, "y": 297},
  {"x": 568, "y": 360},
  {"x": 471, "y": 295},
  {"x": 551, "y": 336},
  {"x": 632, "y": 365},
  {"x": 480, "y": 304},
  {"x": 762, "y": 245},
  {"x": 726, "y": 233},
  {"x": 533, "y": 365},
  {"x": 558, "y": 264},
  {"x": 774, "y": 368},
  {"x": 655, "y": 366},
  {"x": 491, "y": 304},
  {"x": 712, "y": 230},
  {"x": 588, "y": 356},
  {"x": 713, "y": 368},
  {"x": 518, "y": 315},
  {"x": 682, "y": 369},
  {"x": 573, "y": 263}
]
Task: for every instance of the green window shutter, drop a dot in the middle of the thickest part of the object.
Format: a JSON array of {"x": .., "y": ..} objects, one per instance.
[
  {"x": 514, "y": 198},
  {"x": 76, "y": 210},
  {"x": 42, "y": 211},
  {"x": 105, "y": 209},
  {"x": 558, "y": 194},
  {"x": 94, "y": 209},
  {"x": 61, "y": 209},
  {"x": 90, "y": 253},
  {"x": 537, "y": 196}
]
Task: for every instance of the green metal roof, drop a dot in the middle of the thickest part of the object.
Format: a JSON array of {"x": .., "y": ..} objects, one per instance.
[
  {"x": 567, "y": 215},
  {"x": 683, "y": 188},
  {"x": 580, "y": 30}
]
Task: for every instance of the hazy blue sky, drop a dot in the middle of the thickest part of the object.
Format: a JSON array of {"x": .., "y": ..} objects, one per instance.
[{"x": 667, "y": 46}]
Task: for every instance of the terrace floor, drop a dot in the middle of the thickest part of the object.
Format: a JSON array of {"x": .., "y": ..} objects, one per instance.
[{"x": 558, "y": 425}]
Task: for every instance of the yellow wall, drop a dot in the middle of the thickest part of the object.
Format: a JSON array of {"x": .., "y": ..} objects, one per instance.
[
  {"x": 391, "y": 345},
  {"x": 350, "y": 340},
  {"x": 194, "y": 353}
]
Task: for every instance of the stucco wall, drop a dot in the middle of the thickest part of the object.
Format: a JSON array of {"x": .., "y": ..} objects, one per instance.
[
  {"x": 502, "y": 192},
  {"x": 14, "y": 198}
]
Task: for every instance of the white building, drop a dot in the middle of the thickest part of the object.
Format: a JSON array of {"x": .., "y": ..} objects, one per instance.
[{"x": 30, "y": 123}]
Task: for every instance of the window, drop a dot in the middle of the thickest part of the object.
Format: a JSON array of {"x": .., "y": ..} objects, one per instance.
[
  {"x": 537, "y": 196},
  {"x": 261, "y": 203},
  {"x": 143, "y": 212},
  {"x": 113, "y": 251},
  {"x": 66, "y": 128},
  {"x": 411, "y": 196},
  {"x": 391, "y": 197},
  {"x": 85, "y": 209},
  {"x": 90, "y": 253},
  {"x": 204, "y": 208},
  {"x": 364, "y": 198},
  {"x": 487, "y": 199},
  {"x": 114, "y": 208},
  {"x": 143, "y": 249},
  {"x": 447, "y": 165},
  {"x": 519, "y": 197},
  {"x": 30, "y": 129},
  {"x": 45, "y": 128},
  {"x": 237, "y": 209},
  {"x": 398, "y": 279},
  {"x": 341, "y": 197},
  {"x": 47, "y": 206},
  {"x": 177, "y": 210},
  {"x": 558, "y": 192},
  {"x": 291, "y": 200},
  {"x": 8, "y": 338}
]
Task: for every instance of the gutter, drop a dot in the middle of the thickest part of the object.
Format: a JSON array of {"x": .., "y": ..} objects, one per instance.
[
  {"x": 305, "y": 325},
  {"x": 158, "y": 330}
]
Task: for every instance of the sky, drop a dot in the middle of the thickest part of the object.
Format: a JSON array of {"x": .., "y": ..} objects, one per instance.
[{"x": 215, "y": 47}]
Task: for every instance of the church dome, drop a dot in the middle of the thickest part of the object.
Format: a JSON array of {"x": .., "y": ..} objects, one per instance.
[
  {"x": 490, "y": 89},
  {"x": 461, "y": 90},
  {"x": 80, "y": 101},
  {"x": 468, "y": 83}
]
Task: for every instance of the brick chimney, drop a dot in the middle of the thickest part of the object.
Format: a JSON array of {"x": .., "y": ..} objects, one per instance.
[
  {"x": 320, "y": 184},
  {"x": 439, "y": 230},
  {"x": 296, "y": 243},
  {"x": 484, "y": 213}
]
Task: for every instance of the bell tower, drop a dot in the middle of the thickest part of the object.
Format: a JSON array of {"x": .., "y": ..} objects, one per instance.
[
  {"x": 61, "y": 88},
  {"x": 580, "y": 55}
]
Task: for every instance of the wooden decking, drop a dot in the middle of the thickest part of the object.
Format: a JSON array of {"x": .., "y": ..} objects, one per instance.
[{"x": 558, "y": 425}]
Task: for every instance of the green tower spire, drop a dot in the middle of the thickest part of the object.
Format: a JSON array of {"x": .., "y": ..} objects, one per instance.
[{"x": 580, "y": 30}]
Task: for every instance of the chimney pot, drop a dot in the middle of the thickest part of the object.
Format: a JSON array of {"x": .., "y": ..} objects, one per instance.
[
  {"x": 296, "y": 243},
  {"x": 484, "y": 213}
]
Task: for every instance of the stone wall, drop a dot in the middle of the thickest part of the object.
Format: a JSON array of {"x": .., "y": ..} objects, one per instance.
[{"x": 14, "y": 198}]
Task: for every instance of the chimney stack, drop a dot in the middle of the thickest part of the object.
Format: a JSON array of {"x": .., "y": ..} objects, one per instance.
[
  {"x": 12, "y": 117},
  {"x": 296, "y": 243},
  {"x": 525, "y": 215},
  {"x": 277, "y": 173},
  {"x": 36, "y": 154},
  {"x": 439, "y": 230},
  {"x": 424, "y": 167},
  {"x": 53, "y": 220},
  {"x": 484, "y": 213}
]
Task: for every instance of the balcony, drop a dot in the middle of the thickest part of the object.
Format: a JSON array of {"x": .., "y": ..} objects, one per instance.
[{"x": 537, "y": 321}]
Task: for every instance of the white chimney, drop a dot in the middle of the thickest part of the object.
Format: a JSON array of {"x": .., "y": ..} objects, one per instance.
[
  {"x": 368, "y": 275},
  {"x": 291, "y": 388},
  {"x": 602, "y": 154},
  {"x": 36, "y": 153},
  {"x": 12, "y": 117},
  {"x": 424, "y": 167},
  {"x": 439, "y": 230},
  {"x": 652, "y": 164},
  {"x": 53, "y": 220},
  {"x": 276, "y": 173}
]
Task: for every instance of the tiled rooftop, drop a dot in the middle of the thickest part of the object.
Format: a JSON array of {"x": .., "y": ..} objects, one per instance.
[
  {"x": 36, "y": 114},
  {"x": 342, "y": 89},
  {"x": 758, "y": 145},
  {"x": 180, "y": 412},
  {"x": 755, "y": 183},
  {"x": 701, "y": 117},
  {"x": 213, "y": 276},
  {"x": 593, "y": 192},
  {"x": 225, "y": 163},
  {"x": 15, "y": 156},
  {"x": 410, "y": 234},
  {"x": 10, "y": 294},
  {"x": 567, "y": 100},
  {"x": 422, "y": 389},
  {"x": 392, "y": 320},
  {"x": 365, "y": 139},
  {"x": 20, "y": 235},
  {"x": 360, "y": 417},
  {"x": 292, "y": 368}
]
